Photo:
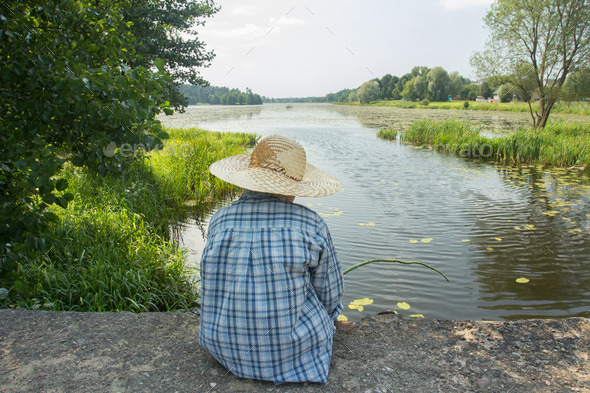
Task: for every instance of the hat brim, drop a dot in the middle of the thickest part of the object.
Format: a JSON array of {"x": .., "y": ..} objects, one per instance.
[{"x": 236, "y": 170}]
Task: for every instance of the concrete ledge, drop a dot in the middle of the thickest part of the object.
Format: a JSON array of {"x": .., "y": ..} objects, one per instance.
[{"x": 42, "y": 351}]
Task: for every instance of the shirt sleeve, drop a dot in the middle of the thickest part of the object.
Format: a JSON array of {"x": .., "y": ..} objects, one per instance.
[{"x": 327, "y": 278}]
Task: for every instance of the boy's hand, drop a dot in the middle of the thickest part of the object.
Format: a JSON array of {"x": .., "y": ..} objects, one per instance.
[{"x": 343, "y": 324}]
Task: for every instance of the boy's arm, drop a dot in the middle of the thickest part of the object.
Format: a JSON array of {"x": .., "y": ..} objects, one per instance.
[{"x": 327, "y": 278}]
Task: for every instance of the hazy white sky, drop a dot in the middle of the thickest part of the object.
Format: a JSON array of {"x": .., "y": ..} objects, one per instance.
[{"x": 299, "y": 49}]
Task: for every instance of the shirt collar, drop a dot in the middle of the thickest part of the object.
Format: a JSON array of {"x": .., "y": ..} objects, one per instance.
[{"x": 247, "y": 194}]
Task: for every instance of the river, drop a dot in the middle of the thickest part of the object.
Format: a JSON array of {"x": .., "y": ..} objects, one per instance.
[{"x": 484, "y": 225}]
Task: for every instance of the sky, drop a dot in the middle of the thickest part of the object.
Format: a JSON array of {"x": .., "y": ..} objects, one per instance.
[{"x": 302, "y": 48}]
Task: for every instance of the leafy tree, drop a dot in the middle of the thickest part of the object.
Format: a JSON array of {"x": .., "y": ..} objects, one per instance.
[
  {"x": 67, "y": 92},
  {"x": 393, "y": 88},
  {"x": 420, "y": 71},
  {"x": 486, "y": 90},
  {"x": 386, "y": 92},
  {"x": 553, "y": 36},
  {"x": 421, "y": 87},
  {"x": 456, "y": 83},
  {"x": 577, "y": 85},
  {"x": 438, "y": 84},
  {"x": 341, "y": 96},
  {"x": 470, "y": 91},
  {"x": 524, "y": 84},
  {"x": 409, "y": 92},
  {"x": 401, "y": 83},
  {"x": 506, "y": 92},
  {"x": 166, "y": 30},
  {"x": 369, "y": 91}
]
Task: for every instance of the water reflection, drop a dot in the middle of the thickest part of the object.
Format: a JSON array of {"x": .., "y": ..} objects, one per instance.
[
  {"x": 546, "y": 240},
  {"x": 412, "y": 193}
]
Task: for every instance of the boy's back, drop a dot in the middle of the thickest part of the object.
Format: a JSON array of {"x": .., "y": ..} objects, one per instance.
[{"x": 271, "y": 289}]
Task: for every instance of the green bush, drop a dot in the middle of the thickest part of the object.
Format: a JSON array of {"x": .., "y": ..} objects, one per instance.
[
  {"x": 66, "y": 93},
  {"x": 114, "y": 247}
]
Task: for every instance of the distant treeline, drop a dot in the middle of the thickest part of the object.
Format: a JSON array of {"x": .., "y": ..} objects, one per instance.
[
  {"x": 214, "y": 95},
  {"x": 436, "y": 84},
  {"x": 422, "y": 83},
  {"x": 292, "y": 99}
]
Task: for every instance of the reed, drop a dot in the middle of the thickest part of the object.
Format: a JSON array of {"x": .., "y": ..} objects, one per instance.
[
  {"x": 369, "y": 261},
  {"x": 387, "y": 134},
  {"x": 113, "y": 249},
  {"x": 559, "y": 144},
  {"x": 182, "y": 166}
]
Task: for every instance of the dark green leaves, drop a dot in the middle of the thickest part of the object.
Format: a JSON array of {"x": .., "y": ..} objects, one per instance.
[
  {"x": 70, "y": 85},
  {"x": 160, "y": 63}
]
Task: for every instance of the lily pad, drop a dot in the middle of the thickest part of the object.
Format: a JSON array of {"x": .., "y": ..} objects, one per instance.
[
  {"x": 413, "y": 241},
  {"x": 522, "y": 280},
  {"x": 465, "y": 240},
  {"x": 498, "y": 239},
  {"x": 403, "y": 305},
  {"x": 358, "y": 304},
  {"x": 342, "y": 318},
  {"x": 362, "y": 302},
  {"x": 427, "y": 240}
]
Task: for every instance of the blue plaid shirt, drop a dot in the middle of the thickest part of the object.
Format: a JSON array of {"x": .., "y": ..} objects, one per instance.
[{"x": 271, "y": 289}]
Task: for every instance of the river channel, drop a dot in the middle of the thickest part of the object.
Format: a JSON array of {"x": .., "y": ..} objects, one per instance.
[{"x": 484, "y": 225}]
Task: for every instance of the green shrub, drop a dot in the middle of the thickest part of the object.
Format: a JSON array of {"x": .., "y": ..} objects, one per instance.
[{"x": 113, "y": 248}]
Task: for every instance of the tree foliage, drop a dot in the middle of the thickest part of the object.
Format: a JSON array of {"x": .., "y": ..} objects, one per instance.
[
  {"x": 416, "y": 86},
  {"x": 506, "y": 92},
  {"x": 409, "y": 91},
  {"x": 577, "y": 85},
  {"x": 219, "y": 95},
  {"x": 369, "y": 91},
  {"x": 67, "y": 91},
  {"x": 439, "y": 84},
  {"x": 167, "y": 30},
  {"x": 551, "y": 36}
]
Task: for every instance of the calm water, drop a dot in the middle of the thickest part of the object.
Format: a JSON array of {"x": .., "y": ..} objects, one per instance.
[{"x": 483, "y": 225}]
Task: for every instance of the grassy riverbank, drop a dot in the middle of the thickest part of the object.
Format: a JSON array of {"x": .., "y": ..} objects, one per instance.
[
  {"x": 573, "y": 108},
  {"x": 559, "y": 144},
  {"x": 113, "y": 248}
]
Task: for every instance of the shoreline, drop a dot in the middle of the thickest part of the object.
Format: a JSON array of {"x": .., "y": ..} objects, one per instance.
[
  {"x": 127, "y": 352},
  {"x": 518, "y": 107}
]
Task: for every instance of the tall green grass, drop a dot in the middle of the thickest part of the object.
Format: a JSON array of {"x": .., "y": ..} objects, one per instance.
[
  {"x": 387, "y": 134},
  {"x": 112, "y": 247},
  {"x": 182, "y": 167},
  {"x": 559, "y": 144}
]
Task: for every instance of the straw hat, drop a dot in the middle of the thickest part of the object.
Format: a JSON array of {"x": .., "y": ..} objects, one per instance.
[{"x": 278, "y": 166}]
